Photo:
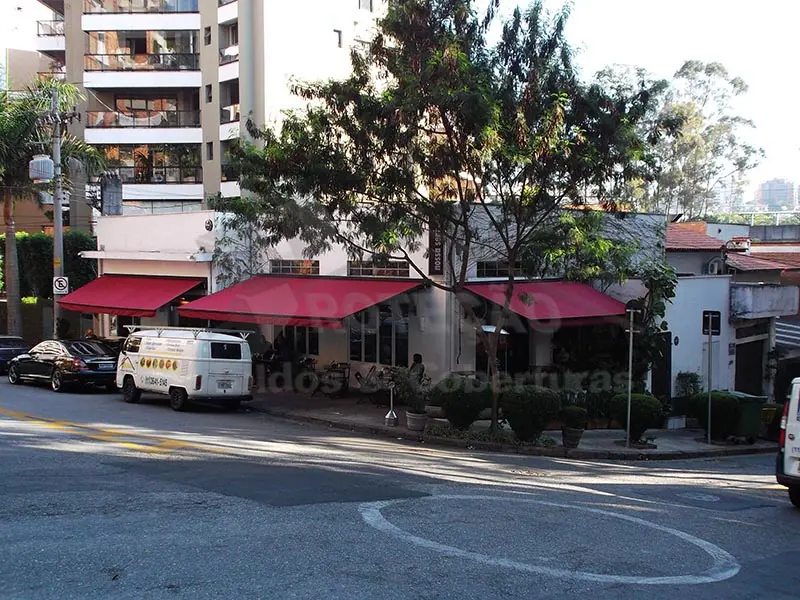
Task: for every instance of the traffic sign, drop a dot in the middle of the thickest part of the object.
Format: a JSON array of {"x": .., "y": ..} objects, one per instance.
[
  {"x": 60, "y": 285},
  {"x": 714, "y": 319}
]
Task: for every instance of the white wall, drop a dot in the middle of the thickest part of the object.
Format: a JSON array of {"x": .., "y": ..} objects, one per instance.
[
  {"x": 727, "y": 231},
  {"x": 693, "y": 263},
  {"x": 684, "y": 316},
  {"x": 141, "y": 22},
  {"x": 167, "y": 233}
]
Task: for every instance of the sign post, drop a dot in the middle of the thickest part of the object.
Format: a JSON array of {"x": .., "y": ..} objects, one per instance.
[
  {"x": 712, "y": 325},
  {"x": 631, "y": 311}
]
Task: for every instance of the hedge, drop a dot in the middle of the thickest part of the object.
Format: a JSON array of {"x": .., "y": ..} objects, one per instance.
[
  {"x": 462, "y": 399},
  {"x": 646, "y": 413},
  {"x": 35, "y": 255},
  {"x": 528, "y": 409}
]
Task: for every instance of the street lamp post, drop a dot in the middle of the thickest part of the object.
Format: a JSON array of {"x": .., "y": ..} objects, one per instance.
[{"x": 631, "y": 312}]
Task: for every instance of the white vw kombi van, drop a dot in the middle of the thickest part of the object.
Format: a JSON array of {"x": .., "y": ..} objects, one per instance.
[
  {"x": 787, "y": 466},
  {"x": 186, "y": 365}
]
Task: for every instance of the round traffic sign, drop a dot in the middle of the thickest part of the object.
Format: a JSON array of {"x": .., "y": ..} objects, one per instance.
[{"x": 60, "y": 285}]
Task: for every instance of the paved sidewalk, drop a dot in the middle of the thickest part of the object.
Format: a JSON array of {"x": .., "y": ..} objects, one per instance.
[{"x": 347, "y": 414}]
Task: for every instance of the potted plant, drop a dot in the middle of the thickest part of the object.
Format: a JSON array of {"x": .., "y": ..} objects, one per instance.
[
  {"x": 411, "y": 393},
  {"x": 573, "y": 419}
]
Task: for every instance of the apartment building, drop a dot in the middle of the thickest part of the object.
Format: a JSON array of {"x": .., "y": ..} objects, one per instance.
[{"x": 169, "y": 83}]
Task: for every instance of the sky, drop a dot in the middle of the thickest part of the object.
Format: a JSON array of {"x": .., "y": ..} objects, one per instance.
[{"x": 756, "y": 41}]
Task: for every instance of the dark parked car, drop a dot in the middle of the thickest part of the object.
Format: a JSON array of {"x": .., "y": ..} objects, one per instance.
[
  {"x": 64, "y": 363},
  {"x": 10, "y": 346}
]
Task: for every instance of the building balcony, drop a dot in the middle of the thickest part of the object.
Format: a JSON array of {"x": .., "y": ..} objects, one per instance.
[
  {"x": 142, "y": 71},
  {"x": 143, "y": 127},
  {"x": 763, "y": 300},
  {"x": 229, "y": 55},
  {"x": 229, "y": 114},
  {"x": 228, "y": 11},
  {"x": 159, "y": 175},
  {"x": 140, "y": 6},
  {"x": 50, "y": 38}
]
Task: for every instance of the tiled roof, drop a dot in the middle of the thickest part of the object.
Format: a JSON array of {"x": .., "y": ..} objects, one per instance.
[
  {"x": 792, "y": 259},
  {"x": 745, "y": 262},
  {"x": 686, "y": 239}
]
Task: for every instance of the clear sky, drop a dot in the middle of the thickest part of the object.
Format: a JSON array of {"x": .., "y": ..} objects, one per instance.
[{"x": 757, "y": 41}]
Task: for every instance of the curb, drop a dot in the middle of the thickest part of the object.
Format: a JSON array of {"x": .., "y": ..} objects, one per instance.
[{"x": 552, "y": 451}]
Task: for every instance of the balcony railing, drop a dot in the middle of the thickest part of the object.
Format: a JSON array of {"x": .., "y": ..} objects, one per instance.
[
  {"x": 101, "y": 119},
  {"x": 160, "y": 174},
  {"x": 140, "y": 6},
  {"x": 142, "y": 62},
  {"x": 229, "y": 114},
  {"x": 229, "y": 55},
  {"x": 49, "y": 28}
]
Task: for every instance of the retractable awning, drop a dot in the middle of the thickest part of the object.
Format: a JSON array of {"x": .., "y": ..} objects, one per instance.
[
  {"x": 566, "y": 301},
  {"x": 306, "y": 300},
  {"x": 128, "y": 295}
]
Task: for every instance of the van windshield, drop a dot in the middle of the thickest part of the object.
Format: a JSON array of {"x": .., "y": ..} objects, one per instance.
[{"x": 226, "y": 350}]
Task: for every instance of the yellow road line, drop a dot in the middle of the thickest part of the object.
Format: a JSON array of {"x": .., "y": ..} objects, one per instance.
[{"x": 156, "y": 444}]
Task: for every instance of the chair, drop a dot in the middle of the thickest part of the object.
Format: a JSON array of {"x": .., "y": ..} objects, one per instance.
[{"x": 367, "y": 385}]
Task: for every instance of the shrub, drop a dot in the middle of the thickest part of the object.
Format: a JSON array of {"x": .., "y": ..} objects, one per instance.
[
  {"x": 528, "y": 409},
  {"x": 725, "y": 413},
  {"x": 598, "y": 404},
  {"x": 462, "y": 399},
  {"x": 574, "y": 417},
  {"x": 688, "y": 384},
  {"x": 646, "y": 413}
]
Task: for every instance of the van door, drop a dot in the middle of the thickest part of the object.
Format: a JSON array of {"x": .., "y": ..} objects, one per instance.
[
  {"x": 791, "y": 458},
  {"x": 228, "y": 369}
]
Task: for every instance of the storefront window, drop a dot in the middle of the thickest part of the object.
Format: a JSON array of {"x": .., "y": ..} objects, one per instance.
[{"x": 380, "y": 335}]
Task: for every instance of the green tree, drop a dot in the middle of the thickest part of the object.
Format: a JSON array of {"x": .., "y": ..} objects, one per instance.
[
  {"x": 24, "y": 132},
  {"x": 710, "y": 147},
  {"x": 436, "y": 128}
]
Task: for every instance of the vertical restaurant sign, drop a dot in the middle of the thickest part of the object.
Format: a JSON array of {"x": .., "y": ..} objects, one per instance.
[{"x": 435, "y": 251}]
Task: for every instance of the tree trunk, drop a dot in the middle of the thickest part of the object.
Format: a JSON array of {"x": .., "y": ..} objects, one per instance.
[{"x": 11, "y": 264}]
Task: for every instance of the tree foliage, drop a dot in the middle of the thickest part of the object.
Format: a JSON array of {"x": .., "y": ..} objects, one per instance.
[
  {"x": 436, "y": 128},
  {"x": 710, "y": 149}
]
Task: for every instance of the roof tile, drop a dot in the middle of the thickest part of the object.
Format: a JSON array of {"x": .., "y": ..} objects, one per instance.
[{"x": 684, "y": 238}]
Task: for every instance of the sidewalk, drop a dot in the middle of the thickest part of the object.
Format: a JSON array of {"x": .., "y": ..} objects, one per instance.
[{"x": 347, "y": 415}]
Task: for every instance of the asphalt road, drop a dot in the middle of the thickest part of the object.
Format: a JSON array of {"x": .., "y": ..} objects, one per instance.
[{"x": 100, "y": 499}]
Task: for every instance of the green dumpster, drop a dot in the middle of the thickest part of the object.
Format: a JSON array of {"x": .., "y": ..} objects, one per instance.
[{"x": 749, "y": 422}]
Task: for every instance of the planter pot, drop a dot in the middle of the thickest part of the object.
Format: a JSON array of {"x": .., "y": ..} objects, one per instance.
[
  {"x": 570, "y": 437},
  {"x": 416, "y": 421},
  {"x": 676, "y": 422}
]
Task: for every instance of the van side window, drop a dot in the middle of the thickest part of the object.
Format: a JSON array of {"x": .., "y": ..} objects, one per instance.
[
  {"x": 132, "y": 344},
  {"x": 225, "y": 350}
]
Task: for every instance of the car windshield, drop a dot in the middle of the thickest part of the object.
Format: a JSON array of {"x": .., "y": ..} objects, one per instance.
[
  {"x": 12, "y": 342},
  {"x": 88, "y": 349}
]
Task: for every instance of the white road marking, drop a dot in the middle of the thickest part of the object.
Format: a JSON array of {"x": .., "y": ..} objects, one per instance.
[{"x": 724, "y": 564}]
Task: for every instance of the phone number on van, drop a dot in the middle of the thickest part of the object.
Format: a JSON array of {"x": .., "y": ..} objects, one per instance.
[{"x": 158, "y": 381}]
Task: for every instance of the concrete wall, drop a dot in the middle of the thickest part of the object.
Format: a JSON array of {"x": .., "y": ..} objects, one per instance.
[
  {"x": 685, "y": 315},
  {"x": 169, "y": 233},
  {"x": 758, "y": 301},
  {"x": 727, "y": 231},
  {"x": 691, "y": 263}
]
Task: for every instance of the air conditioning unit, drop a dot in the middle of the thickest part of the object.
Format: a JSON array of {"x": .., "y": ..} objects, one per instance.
[
  {"x": 716, "y": 266},
  {"x": 739, "y": 244}
]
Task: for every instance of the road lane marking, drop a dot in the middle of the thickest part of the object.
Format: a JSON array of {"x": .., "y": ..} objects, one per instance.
[{"x": 724, "y": 565}]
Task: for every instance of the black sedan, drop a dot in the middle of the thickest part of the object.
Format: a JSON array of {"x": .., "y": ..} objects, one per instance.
[
  {"x": 10, "y": 346},
  {"x": 65, "y": 363}
]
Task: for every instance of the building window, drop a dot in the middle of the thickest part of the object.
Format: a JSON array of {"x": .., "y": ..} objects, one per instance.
[
  {"x": 337, "y": 35},
  {"x": 207, "y": 36},
  {"x": 156, "y": 163},
  {"x": 209, "y": 93},
  {"x": 209, "y": 150},
  {"x": 365, "y": 5},
  {"x": 368, "y": 268},
  {"x": 495, "y": 268},
  {"x": 380, "y": 335},
  {"x": 294, "y": 267},
  {"x": 303, "y": 340}
]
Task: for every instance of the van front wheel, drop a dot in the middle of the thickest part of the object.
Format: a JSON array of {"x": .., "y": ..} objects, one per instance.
[
  {"x": 130, "y": 394},
  {"x": 794, "y": 495},
  {"x": 178, "y": 399}
]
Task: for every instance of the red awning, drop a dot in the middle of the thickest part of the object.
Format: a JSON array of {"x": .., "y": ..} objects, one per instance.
[
  {"x": 128, "y": 295},
  {"x": 312, "y": 301},
  {"x": 552, "y": 300}
]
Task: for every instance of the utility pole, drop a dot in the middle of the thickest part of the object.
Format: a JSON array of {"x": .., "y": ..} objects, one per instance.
[
  {"x": 58, "y": 222},
  {"x": 631, "y": 311}
]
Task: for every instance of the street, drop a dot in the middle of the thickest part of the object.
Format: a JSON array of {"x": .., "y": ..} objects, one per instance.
[{"x": 101, "y": 499}]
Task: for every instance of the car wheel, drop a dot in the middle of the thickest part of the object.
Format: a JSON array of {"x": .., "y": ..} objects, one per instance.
[
  {"x": 130, "y": 394},
  {"x": 794, "y": 495},
  {"x": 56, "y": 382},
  {"x": 13, "y": 375},
  {"x": 178, "y": 399}
]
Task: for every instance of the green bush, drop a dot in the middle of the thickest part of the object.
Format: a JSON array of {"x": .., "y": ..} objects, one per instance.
[
  {"x": 462, "y": 399},
  {"x": 646, "y": 413},
  {"x": 598, "y": 404},
  {"x": 687, "y": 384},
  {"x": 725, "y": 413},
  {"x": 574, "y": 417},
  {"x": 528, "y": 409}
]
